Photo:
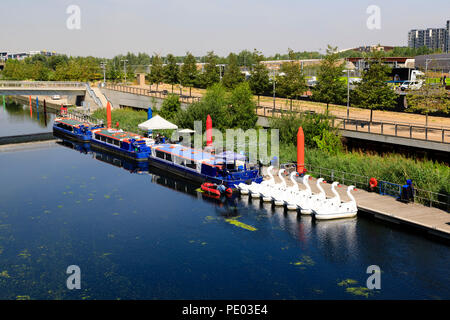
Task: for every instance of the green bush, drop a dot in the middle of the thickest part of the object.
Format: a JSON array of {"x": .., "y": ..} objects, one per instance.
[
  {"x": 170, "y": 107},
  {"x": 316, "y": 127}
]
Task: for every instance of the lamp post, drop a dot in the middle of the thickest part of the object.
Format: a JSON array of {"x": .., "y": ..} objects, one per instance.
[
  {"x": 125, "y": 69},
  {"x": 348, "y": 89},
  {"x": 103, "y": 66},
  {"x": 220, "y": 70},
  {"x": 273, "y": 82}
]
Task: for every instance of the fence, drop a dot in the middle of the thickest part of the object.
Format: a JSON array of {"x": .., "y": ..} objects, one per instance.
[
  {"x": 42, "y": 84},
  {"x": 397, "y": 129},
  {"x": 73, "y": 114},
  {"x": 425, "y": 197},
  {"x": 93, "y": 95},
  {"x": 150, "y": 93}
]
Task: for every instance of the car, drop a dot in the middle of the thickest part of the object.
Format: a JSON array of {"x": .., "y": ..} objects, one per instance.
[
  {"x": 411, "y": 85},
  {"x": 56, "y": 97}
]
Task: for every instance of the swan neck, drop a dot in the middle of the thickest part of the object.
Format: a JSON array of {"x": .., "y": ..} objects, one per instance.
[{"x": 333, "y": 189}]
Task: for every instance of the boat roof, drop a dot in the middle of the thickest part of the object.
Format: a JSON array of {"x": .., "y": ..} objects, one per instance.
[
  {"x": 117, "y": 134},
  {"x": 72, "y": 122},
  {"x": 190, "y": 153},
  {"x": 184, "y": 152}
]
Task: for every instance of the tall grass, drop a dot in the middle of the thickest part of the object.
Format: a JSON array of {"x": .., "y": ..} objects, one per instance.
[
  {"x": 128, "y": 118},
  {"x": 425, "y": 174}
]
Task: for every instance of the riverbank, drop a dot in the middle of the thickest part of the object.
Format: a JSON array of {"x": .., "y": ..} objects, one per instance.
[
  {"x": 425, "y": 174},
  {"x": 414, "y": 216}
]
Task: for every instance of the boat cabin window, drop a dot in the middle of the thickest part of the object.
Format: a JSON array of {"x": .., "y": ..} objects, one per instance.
[
  {"x": 230, "y": 166},
  {"x": 65, "y": 126},
  {"x": 160, "y": 154},
  {"x": 117, "y": 142},
  {"x": 191, "y": 164},
  {"x": 168, "y": 157}
]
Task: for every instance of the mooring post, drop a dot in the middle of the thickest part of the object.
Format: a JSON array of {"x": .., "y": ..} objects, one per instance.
[{"x": 37, "y": 107}]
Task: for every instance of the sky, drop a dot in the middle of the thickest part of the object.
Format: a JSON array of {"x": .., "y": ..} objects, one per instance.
[{"x": 111, "y": 27}]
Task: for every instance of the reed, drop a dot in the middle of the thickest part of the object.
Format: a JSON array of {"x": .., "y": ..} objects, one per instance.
[{"x": 425, "y": 174}]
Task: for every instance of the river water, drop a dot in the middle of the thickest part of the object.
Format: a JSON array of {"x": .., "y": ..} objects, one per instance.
[
  {"x": 15, "y": 119},
  {"x": 140, "y": 234}
]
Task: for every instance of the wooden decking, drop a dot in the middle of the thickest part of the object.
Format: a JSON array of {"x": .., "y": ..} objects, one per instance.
[{"x": 429, "y": 219}]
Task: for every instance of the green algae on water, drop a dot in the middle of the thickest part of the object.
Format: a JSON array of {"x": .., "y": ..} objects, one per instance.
[
  {"x": 4, "y": 274},
  {"x": 304, "y": 261},
  {"x": 240, "y": 224},
  {"x": 347, "y": 282},
  {"x": 358, "y": 291}
]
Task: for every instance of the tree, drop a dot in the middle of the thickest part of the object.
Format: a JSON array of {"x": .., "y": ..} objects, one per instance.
[
  {"x": 170, "y": 107},
  {"x": 246, "y": 58},
  {"x": 330, "y": 88},
  {"x": 156, "y": 71},
  {"x": 210, "y": 74},
  {"x": 430, "y": 98},
  {"x": 373, "y": 92},
  {"x": 214, "y": 102},
  {"x": 113, "y": 72},
  {"x": 188, "y": 72},
  {"x": 232, "y": 75},
  {"x": 242, "y": 107},
  {"x": 292, "y": 84},
  {"x": 259, "y": 77},
  {"x": 171, "y": 70}
]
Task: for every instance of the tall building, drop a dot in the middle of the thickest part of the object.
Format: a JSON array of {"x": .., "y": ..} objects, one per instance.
[
  {"x": 433, "y": 38},
  {"x": 447, "y": 49}
]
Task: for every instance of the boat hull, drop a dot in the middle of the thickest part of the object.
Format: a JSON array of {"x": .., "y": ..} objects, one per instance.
[
  {"x": 137, "y": 156},
  {"x": 335, "y": 216},
  {"x": 189, "y": 174},
  {"x": 71, "y": 135}
]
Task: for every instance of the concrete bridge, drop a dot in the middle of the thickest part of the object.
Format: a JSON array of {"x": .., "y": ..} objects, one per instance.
[{"x": 50, "y": 88}]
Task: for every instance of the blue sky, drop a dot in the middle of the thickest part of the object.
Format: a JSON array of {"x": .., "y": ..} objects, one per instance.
[{"x": 110, "y": 27}]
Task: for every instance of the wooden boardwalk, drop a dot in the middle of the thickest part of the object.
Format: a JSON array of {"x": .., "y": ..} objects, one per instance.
[{"x": 428, "y": 219}]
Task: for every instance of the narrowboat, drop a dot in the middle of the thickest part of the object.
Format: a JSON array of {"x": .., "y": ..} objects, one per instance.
[
  {"x": 127, "y": 144},
  {"x": 72, "y": 128},
  {"x": 200, "y": 166},
  {"x": 104, "y": 156}
]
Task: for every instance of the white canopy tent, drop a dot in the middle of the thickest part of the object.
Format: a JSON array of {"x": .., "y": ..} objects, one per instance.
[{"x": 157, "y": 123}]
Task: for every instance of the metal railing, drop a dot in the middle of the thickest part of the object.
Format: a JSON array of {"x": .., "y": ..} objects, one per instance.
[
  {"x": 93, "y": 95},
  {"x": 150, "y": 93},
  {"x": 41, "y": 84},
  {"x": 398, "y": 129},
  {"x": 424, "y": 197},
  {"x": 74, "y": 114}
]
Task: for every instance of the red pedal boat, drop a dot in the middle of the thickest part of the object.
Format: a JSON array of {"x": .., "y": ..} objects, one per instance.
[{"x": 213, "y": 188}]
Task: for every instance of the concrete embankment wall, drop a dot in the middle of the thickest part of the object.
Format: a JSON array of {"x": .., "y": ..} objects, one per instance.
[
  {"x": 51, "y": 106},
  {"x": 27, "y": 138},
  {"x": 123, "y": 99}
]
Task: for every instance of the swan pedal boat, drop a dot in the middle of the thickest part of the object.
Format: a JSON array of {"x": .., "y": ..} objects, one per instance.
[{"x": 333, "y": 209}]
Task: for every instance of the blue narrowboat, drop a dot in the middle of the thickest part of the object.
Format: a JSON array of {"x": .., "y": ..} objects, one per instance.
[
  {"x": 72, "y": 128},
  {"x": 200, "y": 166},
  {"x": 122, "y": 143}
]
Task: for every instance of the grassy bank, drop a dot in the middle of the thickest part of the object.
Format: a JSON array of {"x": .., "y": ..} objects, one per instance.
[
  {"x": 128, "y": 118},
  {"x": 427, "y": 175}
]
